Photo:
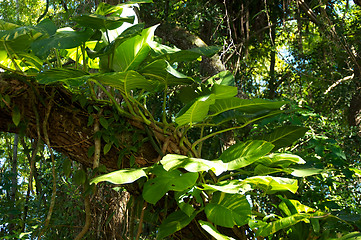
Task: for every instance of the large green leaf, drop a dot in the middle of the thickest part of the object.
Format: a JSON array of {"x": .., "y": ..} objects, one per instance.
[
  {"x": 176, "y": 55},
  {"x": 245, "y": 153},
  {"x": 285, "y": 136},
  {"x": 264, "y": 229},
  {"x": 123, "y": 176},
  {"x": 305, "y": 172},
  {"x": 195, "y": 111},
  {"x": 125, "y": 81},
  {"x": 224, "y": 91},
  {"x": 209, "y": 228},
  {"x": 106, "y": 9},
  {"x": 72, "y": 76},
  {"x": 227, "y": 210},
  {"x": 108, "y": 49},
  {"x": 280, "y": 160},
  {"x": 64, "y": 38},
  {"x": 95, "y": 21},
  {"x": 162, "y": 72},
  {"x": 173, "y": 223},
  {"x": 229, "y": 186},
  {"x": 225, "y": 78},
  {"x": 173, "y": 161},
  {"x": 244, "y": 105},
  {"x": 272, "y": 184},
  {"x": 7, "y": 25},
  {"x": 131, "y": 53},
  {"x": 154, "y": 189}
]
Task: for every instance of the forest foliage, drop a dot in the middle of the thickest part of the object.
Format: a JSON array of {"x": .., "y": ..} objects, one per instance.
[{"x": 261, "y": 150}]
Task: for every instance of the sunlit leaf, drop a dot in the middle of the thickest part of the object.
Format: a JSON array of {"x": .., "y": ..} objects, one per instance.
[
  {"x": 195, "y": 111},
  {"x": 225, "y": 78},
  {"x": 173, "y": 161},
  {"x": 280, "y": 160},
  {"x": 131, "y": 53},
  {"x": 271, "y": 184},
  {"x": 209, "y": 228},
  {"x": 228, "y": 210},
  {"x": 306, "y": 172},
  {"x": 123, "y": 176},
  {"x": 229, "y": 186},
  {"x": 245, "y": 153}
]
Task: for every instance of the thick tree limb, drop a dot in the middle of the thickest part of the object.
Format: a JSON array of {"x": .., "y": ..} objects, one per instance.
[{"x": 68, "y": 132}]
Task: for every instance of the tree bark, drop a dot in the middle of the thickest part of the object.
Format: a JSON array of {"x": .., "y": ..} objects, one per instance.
[{"x": 68, "y": 131}]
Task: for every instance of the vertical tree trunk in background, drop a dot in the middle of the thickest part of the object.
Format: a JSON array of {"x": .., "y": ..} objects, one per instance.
[
  {"x": 272, "y": 85},
  {"x": 14, "y": 181}
]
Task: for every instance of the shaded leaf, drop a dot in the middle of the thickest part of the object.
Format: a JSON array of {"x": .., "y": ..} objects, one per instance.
[
  {"x": 244, "y": 105},
  {"x": 173, "y": 223},
  {"x": 285, "y": 136},
  {"x": 95, "y": 21},
  {"x": 16, "y": 116},
  {"x": 72, "y": 76},
  {"x": 154, "y": 189},
  {"x": 227, "y": 210}
]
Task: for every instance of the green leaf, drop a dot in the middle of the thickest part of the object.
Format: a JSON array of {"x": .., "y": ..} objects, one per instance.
[
  {"x": 195, "y": 111},
  {"x": 79, "y": 177},
  {"x": 272, "y": 184},
  {"x": 173, "y": 223},
  {"x": 16, "y": 116},
  {"x": 306, "y": 172},
  {"x": 227, "y": 210},
  {"x": 351, "y": 236},
  {"x": 95, "y": 21},
  {"x": 225, "y": 78},
  {"x": 161, "y": 72},
  {"x": 131, "y": 53},
  {"x": 280, "y": 160},
  {"x": 104, "y": 122},
  {"x": 285, "y": 136},
  {"x": 64, "y": 38},
  {"x": 123, "y": 176},
  {"x": 244, "y": 105},
  {"x": 245, "y": 153},
  {"x": 7, "y": 25},
  {"x": 70, "y": 76},
  {"x": 229, "y": 186},
  {"x": 263, "y": 229},
  {"x": 176, "y": 55},
  {"x": 154, "y": 189},
  {"x": 67, "y": 167},
  {"x": 223, "y": 91},
  {"x": 124, "y": 81},
  {"x": 173, "y": 161},
  {"x": 107, "y": 147},
  {"x": 263, "y": 170},
  {"x": 209, "y": 228}
]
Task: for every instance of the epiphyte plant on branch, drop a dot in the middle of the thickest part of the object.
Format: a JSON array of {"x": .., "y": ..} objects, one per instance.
[{"x": 124, "y": 69}]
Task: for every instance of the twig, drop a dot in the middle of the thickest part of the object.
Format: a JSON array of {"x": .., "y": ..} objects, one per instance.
[{"x": 140, "y": 226}]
